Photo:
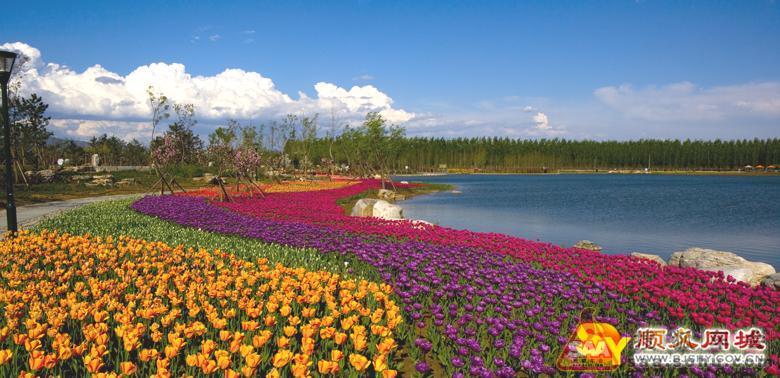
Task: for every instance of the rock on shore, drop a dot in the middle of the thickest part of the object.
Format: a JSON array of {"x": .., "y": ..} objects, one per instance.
[
  {"x": 587, "y": 244},
  {"x": 727, "y": 262},
  {"x": 387, "y": 210},
  {"x": 364, "y": 207},
  {"x": 371, "y": 207},
  {"x": 772, "y": 281}
]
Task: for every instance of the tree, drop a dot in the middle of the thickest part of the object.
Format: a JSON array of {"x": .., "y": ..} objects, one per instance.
[
  {"x": 28, "y": 128},
  {"x": 159, "y": 105},
  {"x": 135, "y": 153},
  {"x": 189, "y": 144},
  {"x": 308, "y": 137},
  {"x": 221, "y": 149}
]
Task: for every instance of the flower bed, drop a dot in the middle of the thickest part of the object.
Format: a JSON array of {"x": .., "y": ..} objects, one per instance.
[
  {"x": 77, "y": 305},
  {"x": 477, "y": 311},
  {"x": 244, "y": 190},
  {"x": 667, "y": 288}
]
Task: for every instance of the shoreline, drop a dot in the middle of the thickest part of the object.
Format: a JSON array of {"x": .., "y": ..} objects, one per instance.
[
  {"x": 580, "y": 172},
  {"x": 735, "y": 267}
]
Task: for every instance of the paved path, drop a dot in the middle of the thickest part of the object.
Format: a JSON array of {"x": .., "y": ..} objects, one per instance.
[{"x": 29, "y": 215}]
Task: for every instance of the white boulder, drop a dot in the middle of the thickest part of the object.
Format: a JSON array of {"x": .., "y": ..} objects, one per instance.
[
  {"x": 729, "y": 263},
  {"x": 386, "y": 210},
  {"x": 364, "y": 207}
]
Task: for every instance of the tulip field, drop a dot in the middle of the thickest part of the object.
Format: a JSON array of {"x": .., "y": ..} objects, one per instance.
[{"x": 289, "y": 285}]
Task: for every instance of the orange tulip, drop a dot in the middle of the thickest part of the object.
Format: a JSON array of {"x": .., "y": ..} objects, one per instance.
[
  {"x": 281, "y": 358},
  {"x": 36, "y": 360},
  {"x": 359, "y": 362},
  {"x": 260, "y": 340},
  {"x": 207, "y": 347},
  {"x": 223, "y": 362},
  {"x": 93, "y": 364},
  {"x": 147, "y": 355},
  {"x": 386, "y": 345},
  {"x": 5, "y": 356},
  {"x": 289, "y": 331},
  {"x": 245, "y": 350},
  {"x": 252, "y": 360},
  {"x": 380, "y": 363},
  {"x": 32, "y": 345},
  {"x": 209, "y": 366},
  {"x": 248, "y": 372},
  {"x": 282, "y": 342},
  {"x": 127, "y": 368},
  {"x": 49, "y": 361}
]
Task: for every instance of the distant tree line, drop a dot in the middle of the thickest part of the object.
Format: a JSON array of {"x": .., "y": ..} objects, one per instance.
[
  {"x": 374, "y": 147},
  {"x": 514, "y": 155}
]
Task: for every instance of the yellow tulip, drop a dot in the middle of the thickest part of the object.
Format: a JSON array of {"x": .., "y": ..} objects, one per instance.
[
  {"x": 359, "y": 362},
  {"x": 289, "y": 331},
  {"x": 380, "y": 363},
  {"x": 252, "y": 360},
  {"x": 327, "y": 367},
  {"x": 281, "y": 358},
  {"x": 5, "y": 356}
]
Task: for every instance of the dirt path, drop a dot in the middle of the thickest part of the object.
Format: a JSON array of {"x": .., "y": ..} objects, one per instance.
[{"x": 29, "y": 215}]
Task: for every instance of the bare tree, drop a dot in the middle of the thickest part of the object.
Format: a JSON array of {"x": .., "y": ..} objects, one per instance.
[
  {"x": 308, "y": 138},
  {"x": 159, "y": 105}
]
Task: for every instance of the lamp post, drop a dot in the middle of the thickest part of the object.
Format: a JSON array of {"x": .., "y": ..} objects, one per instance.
[{"x": 7, "y": 59}]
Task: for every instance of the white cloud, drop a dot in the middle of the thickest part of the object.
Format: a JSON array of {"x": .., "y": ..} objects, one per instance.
[
  {"x": 500, "y": 121},
  {"x": 541, "y": 121},
  {"x": 97, "y": 100},
  {"x": 82, "y": 129},
  {"x": 686, "y": 102},
  {"x": 214, "y": 37},
  {"x": 250, "y": 31}
]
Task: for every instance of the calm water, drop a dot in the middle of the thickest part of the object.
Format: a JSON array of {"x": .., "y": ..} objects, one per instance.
[{"x": 622, "y": 213}]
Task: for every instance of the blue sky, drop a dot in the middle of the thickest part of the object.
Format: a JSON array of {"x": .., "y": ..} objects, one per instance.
[{"x": 611, "y": 69}]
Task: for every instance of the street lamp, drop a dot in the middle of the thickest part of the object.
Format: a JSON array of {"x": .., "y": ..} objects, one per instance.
[{"x": 7, "y": 59}]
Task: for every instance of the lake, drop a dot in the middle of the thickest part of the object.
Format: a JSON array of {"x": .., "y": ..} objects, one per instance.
[{"x": 657, "y": 214}]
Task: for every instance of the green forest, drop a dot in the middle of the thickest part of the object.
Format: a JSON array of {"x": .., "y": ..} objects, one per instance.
[{"x": 494, "y": 154}]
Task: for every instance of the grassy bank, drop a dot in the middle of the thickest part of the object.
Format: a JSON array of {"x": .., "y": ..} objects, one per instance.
[
  {"x": 116, "y": 218},
  {"x": 425, "y": 188},
  {"x": 66, "y": 189},
  {"x": 602, "y": 172}
]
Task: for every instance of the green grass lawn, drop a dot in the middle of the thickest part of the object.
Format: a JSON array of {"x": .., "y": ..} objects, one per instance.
[
  {"x": 426, "y": 188},
  {"x": 66, "y": 189},
  {"x": 116, "y": 218}
]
